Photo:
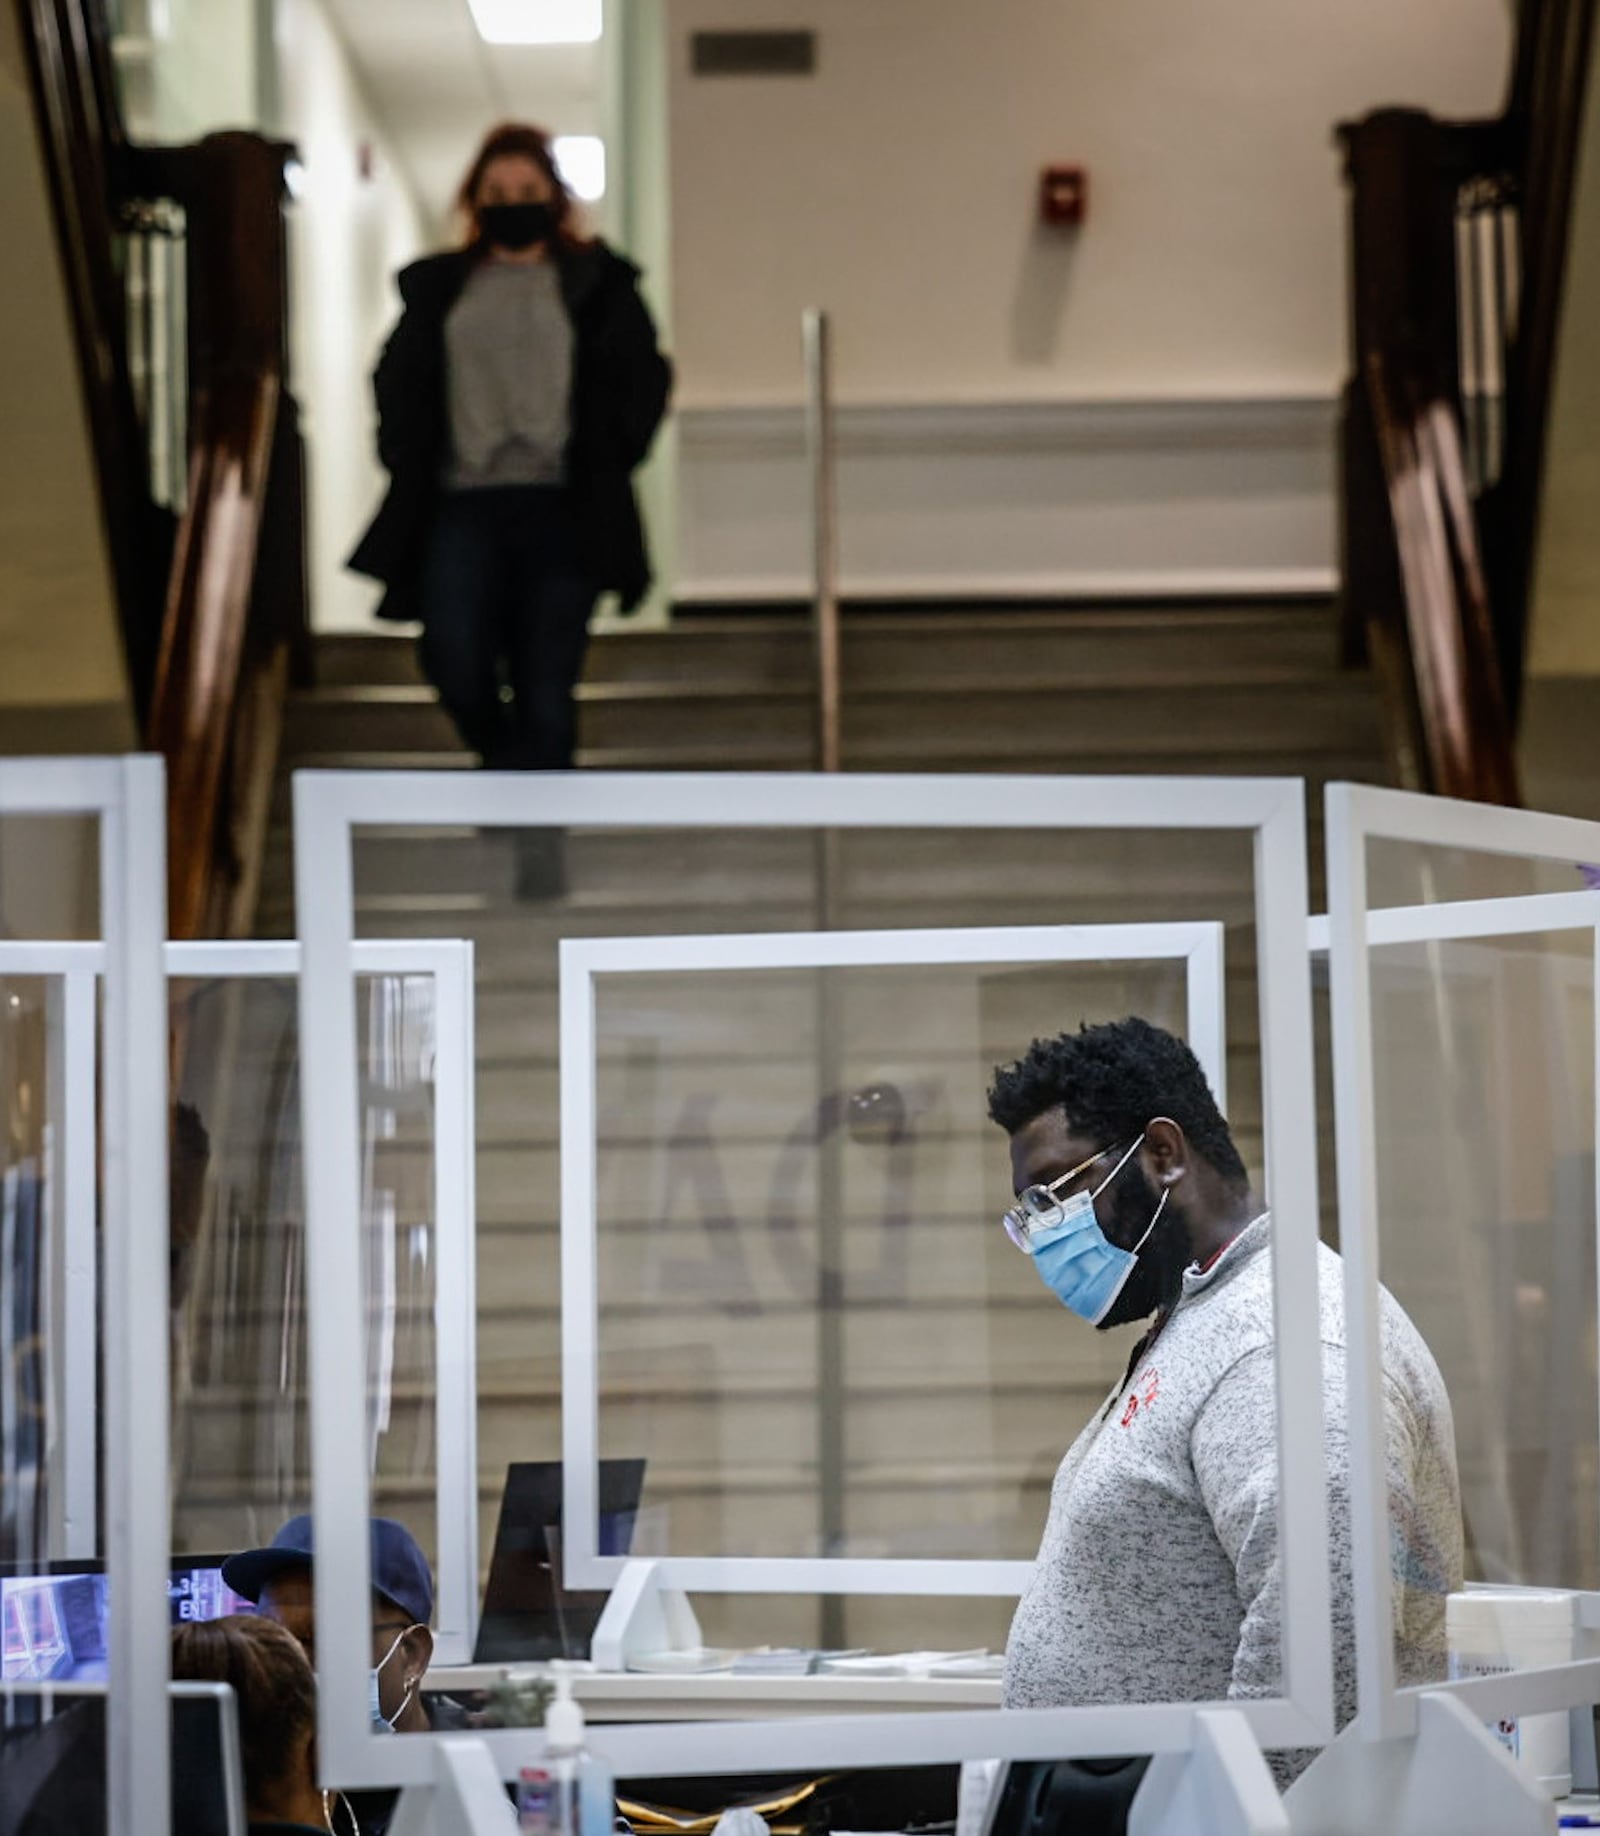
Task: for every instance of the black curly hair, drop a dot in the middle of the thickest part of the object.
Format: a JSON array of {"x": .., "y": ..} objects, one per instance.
[{"x": 1109, "y": 1081}]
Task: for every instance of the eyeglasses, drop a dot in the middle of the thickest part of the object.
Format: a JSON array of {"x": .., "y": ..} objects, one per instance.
[
  {"x": 1040, "y": 1207},
  {"x": 379, "y": 1626}
]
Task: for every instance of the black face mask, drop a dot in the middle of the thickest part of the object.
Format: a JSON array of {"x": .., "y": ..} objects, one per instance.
[{"x": 517, "y": 226}]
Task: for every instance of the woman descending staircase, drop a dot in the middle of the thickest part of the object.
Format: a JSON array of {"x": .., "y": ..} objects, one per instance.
[{"x": 711, "y": 1359}]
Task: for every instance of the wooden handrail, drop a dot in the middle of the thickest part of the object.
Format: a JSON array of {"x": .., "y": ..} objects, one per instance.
[
  {"x": 213, "y": 611},
  {"x": 1465, "y": 735},
  {"x": 1438, "y": 553},
  {"x": 230, "y": 187}
]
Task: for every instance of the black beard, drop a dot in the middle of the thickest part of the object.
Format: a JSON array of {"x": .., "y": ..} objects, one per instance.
[{"x": 1157, "y": 1278}]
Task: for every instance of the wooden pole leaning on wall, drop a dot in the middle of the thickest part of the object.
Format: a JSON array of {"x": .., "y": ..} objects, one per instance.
[{"x": 817, "y": 344}]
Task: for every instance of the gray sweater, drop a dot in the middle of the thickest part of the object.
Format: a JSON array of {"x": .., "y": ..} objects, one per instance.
[
  {"x": 1158, "y": 1577},
  {"x": 508, "y": 366}
]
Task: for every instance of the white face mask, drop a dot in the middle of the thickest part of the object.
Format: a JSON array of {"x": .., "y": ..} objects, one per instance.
[{"x": 382, "y": 1723}]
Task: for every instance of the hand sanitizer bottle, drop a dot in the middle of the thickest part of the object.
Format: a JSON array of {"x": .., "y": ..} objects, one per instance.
[
  {"x": 585, "y": 1799},
  {"x": 536, "y": 1803}
]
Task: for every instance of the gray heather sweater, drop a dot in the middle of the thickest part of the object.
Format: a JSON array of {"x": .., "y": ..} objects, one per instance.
[
  {"x": 508, "y": 365},
  {"x": 1158, "y": 1576}
]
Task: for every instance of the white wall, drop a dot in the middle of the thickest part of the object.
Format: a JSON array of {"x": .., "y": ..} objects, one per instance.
[
  {"x": 1564, "y": 636},
  {"x": 60, "y": 636},
  {"x": 348, "y": 235},
  {"x": 189, "y": 67},
  {"x": 897, "y": 188}
]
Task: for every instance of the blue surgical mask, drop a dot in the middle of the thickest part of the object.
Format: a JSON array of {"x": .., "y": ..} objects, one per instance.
[
  {"x": 1075, "y": 1259},
  {"x": 382, "y": 1723}
]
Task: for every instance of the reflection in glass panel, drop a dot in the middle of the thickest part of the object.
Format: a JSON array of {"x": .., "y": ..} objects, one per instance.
[
  {"x": 241, "y": 1423},
  {"x": 1484, "y": 1058},
  {"x": 812, "y": 1327},
  {"x": 1406, "y": 873},
  {"x": 34, "y": 1483}
]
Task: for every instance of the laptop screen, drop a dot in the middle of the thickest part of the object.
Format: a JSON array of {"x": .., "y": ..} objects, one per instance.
[{"x": 527, "y": 1612}]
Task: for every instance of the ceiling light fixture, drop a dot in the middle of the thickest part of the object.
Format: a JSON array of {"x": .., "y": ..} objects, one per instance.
[
  {"x": 537, "y": 22},
  {"x": 581, "y": 161}
]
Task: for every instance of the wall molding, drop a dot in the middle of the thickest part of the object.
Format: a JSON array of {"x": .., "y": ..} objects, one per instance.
[{"x": 1016, "y": 499}]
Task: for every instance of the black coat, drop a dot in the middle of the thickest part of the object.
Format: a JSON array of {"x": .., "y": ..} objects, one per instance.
[{"x": 620, "y": 385}]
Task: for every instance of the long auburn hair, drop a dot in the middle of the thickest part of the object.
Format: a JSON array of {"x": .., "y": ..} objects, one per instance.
[
  {"x": 522, "y": 140},
  {"x": 273, "y": 1681}
]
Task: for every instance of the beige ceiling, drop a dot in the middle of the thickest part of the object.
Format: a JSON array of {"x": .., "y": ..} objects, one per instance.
[{"x": 437, "y": 86}]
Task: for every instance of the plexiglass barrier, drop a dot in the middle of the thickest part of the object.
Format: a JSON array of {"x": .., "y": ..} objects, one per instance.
[
  {"x": 774, "y": 1149},
  {"x": 1464, "y": 949},
  {"x": 806, "y": 1324},
  {"x": 240, "y": 1405},
  {"x": 84, "y": 1536}
]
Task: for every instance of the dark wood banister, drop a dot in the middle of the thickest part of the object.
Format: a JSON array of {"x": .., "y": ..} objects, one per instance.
[
  {"x": 231, "y": 188},
  {"x": 1437, "y": 580},
  {"x": 1464, "y": 735},
  {"x": 212, "y": 630}
]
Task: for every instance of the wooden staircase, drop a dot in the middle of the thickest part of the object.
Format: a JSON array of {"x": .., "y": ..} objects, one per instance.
[{"x": 961, "y": 1384}]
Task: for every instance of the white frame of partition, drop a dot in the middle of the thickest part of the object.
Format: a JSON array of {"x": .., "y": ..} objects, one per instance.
[
  {"x": 128, "y": 797},
  {"x": 1357, "y": 814},
  {"x": 1198, "y": 946},
  {"x": 330, "y": 806},
  {"x": 75, "y": 968}
]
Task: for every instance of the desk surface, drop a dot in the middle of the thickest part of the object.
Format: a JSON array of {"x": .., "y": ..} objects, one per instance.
[{"x": 717, "y": 1696}]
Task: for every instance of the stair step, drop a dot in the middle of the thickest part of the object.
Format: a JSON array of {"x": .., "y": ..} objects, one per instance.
[
  {"x": 1280, "y": 713},
  {"x": 774, "y": 650},
  {"x": 1160, "y": 754}
]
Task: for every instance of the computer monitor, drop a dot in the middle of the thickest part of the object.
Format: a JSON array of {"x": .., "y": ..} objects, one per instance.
[
  {"x": 1089, "y": 1797},
  {"x": 527, "y": 1613},
  {"x": 53, "y": 1614},
  {"x": 53, "y": 1760}
]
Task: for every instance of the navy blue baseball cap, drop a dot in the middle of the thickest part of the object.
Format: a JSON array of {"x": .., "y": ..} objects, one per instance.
[{"x": 400, "y": 1570}]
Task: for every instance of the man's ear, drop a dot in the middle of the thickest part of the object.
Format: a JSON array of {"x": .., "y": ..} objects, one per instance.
[
  {"x": 1166, "y": 1151},
  {"x": 418, "y": 1648}
]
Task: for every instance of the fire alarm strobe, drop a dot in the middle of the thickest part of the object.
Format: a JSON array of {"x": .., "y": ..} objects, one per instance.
[{"x": 1063, "y": 196}]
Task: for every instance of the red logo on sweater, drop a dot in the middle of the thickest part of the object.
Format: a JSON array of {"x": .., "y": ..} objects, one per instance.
[{"x": 1147, "y": 1391}]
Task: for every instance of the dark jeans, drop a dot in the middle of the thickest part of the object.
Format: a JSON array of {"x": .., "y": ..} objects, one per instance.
[{"x": 505, "y": 603}]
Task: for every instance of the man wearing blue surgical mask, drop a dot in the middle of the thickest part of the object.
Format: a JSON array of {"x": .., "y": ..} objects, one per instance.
[
  {"x": 1158, "y": 1577},
  {"x": 278, "y": 1579}
]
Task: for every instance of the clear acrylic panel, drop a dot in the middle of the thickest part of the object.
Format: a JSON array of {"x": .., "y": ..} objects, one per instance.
[
  {"x": 55, "y": 1624},
  {"x": 82, "y": 1439},
  {"x": 1484, "y": 1083},
  {"x": 738, "y": 1335},
  {"x": 50, "y": 878},
  {"x": 241, "y": 1385},
  {"x": 54, "y": 1616},
  {"x": 32, "y": 1317},
  {"x": 812, "y": 1328}
]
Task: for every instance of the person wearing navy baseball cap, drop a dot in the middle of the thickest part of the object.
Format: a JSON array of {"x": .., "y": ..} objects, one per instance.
[{"x": 278, "y": 1580}]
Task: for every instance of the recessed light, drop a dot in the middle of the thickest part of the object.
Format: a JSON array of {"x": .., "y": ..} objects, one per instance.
[{"x": 537, "y": 22}]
